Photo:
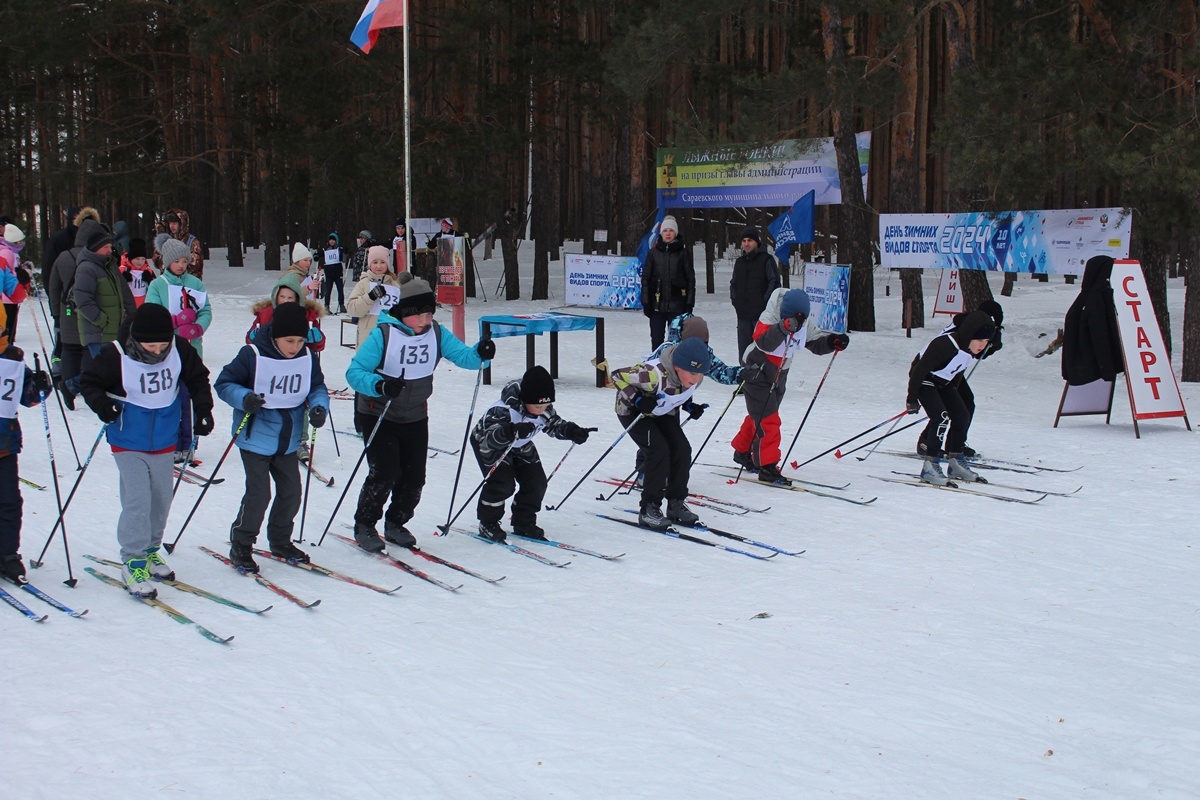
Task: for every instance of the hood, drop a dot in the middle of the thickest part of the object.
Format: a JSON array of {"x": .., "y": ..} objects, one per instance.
[
  {"x": 184, "y": 224},
  {"x": 292, "y": 281},
  {"x": 1096, "y": 273},
  {"x": 335, "y": 238},
  {"x": 971, "y": 322},
  {"x": 86, "y": 229},
  {"x": 667, "y": 358}
]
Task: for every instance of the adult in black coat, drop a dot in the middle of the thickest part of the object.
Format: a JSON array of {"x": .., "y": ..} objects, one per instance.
[
  {"x": 1091, "y": 342},
  {"x": 668, "y": 281},
  {"x": 63, "y": 240},
  {"x": 755, "y": 277}
]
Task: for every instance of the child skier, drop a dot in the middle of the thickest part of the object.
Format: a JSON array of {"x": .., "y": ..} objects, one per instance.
[
  {"x": 993, "y": 309},
  {"x": 393, "y": 372},
  {"x": 288, "y": 291},
  {"x": 138, "y": 270},
  {"x": 933, "y": 382},
  {"x": 278, "y": 381},
  {"x": 781, "y": 331},
  {"x": 134, "y": 387},
  {"x": 184, "y": 296},
  {"x": 19, "y": 386},
  {"x": 505, "y": 433},
  {"x": 378, "y": 291},
  {"x": 649, "y": 398}
]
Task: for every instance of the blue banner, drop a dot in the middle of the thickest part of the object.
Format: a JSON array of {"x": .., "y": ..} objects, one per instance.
[{"x": 828, "y": 290}]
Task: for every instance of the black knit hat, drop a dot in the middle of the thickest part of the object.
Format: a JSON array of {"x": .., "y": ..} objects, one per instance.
[
  {"x": 100, "y": 237},
  {"x": 993, "y": 308},
  {"x": 137, "y": 248},
  {"x": 537, "y": 386},
  {"x": 289, "y": 319},
  {"x": 152, "y": 323},
  {"x": 751, "y": 233},
  {"x": 415, "y": 297}
]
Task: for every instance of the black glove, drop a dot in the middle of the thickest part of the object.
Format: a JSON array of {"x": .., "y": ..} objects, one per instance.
[
  {"x": 645, "y": 404},
  {"x": 486, "y": 349},
  {"x": 391, "y": 387},
  {"x": 694, "y": 410},
  {"x": 377, "y": 292},
  {"x": 110, "y": 412},
  {"x": 253, "y": 403},
  {"x": 317, "y": 416},
  {"x": 42, "y": 383},
  {"x": 839, "y": 341},
  {"x": 148, "y": 276},
  {"x": 205, "y": 424},
  {"x": 913, "y": 408},
  {"x": 23, "y": 276},
  {"x": 524, "y": 430},
  {"x": 577, "y": 434},
  {"x": 128, "y": 275}
]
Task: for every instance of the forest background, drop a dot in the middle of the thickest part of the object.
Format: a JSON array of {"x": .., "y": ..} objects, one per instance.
[{"x": 268, "y": 125}]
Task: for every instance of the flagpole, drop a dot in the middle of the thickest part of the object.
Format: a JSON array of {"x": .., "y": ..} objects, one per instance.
[{"x": 408, "y": 231}]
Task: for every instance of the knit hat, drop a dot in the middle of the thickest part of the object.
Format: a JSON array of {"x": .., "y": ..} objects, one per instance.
[
  {"x": 377, "y": 251},
  {"x": 399, "y": 221},
  {"x": 137, "y": 248},
  {"x": 333, "y": 236},
  {"x": 99, "y": 237},
  {"x": 537, "y": 386},
  {"x": 365, "y": 234},
  {"x": 795, "y": 301},
  {"x": 172, "y": 216},
  {"x": 694, "y": 326},
  {"x": 669, "y": 224},
  {"x": 13, "y": 234},
  {"x": 415, "y": 297},
  {"x": 152, "y": 323},
  {"x": 985, "y": 331},
  {"x": 300, "y": 252},
  {"x": 289, "y": 319},
  {"x": 993, "y": 308},
  {"x": 751, "y": 233},
  {"x": 692, "y": 355},
  {"x": 447, "y": 221},
  {"x": 172, "y": 250}
]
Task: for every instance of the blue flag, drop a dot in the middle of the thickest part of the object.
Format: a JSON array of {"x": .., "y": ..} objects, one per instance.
[
  {"x": 794, "y": 226},
  {"x": 648, "y": 241}
]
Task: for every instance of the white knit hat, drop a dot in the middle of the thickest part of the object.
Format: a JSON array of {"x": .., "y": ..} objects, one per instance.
[
  {"x": 669, "y": 224},
  {"x": 300, "y": 252},
  {"x": 13, "y": 234}
]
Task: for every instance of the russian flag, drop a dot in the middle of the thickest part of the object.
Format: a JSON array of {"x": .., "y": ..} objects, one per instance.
[{"x": 378, "y": 14}]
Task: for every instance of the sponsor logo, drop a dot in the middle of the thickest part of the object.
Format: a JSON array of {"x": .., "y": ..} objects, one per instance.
[
  {"x": 1114, "y": 242},
  {"x": 1060, "y": 242},
  {"x": 1104, "y": 219}
]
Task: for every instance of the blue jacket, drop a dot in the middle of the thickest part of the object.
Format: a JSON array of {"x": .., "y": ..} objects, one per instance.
[
  {"x": 412, "y": 404},
  {"x": 10, "y": 429},
  {"x": 719, "y": 371},
  {"x": 272, "y": 431}
]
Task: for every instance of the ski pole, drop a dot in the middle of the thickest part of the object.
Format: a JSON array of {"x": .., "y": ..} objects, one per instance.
[
  {"x": 312, "y": 449},
  {"x": 560, "y": 462},
  {"x": 811, "y": 403},
  {"x": 182, "y": 467},
  {"x": 337, "y": 449},
  {"x": 704, "y": 444},
  {"x": 350, "y": 482},
  {"x": 878, "y": 439},
  {"x": 462, "y": 452},
  {"x": 37, "y": 326},
  {"x": 851, "y": 439},
  {"x": 78, "y": 479},
  {"x": 445, "y": 529},
  {"x": 611, "y": 447},
  {"x": 70, "y": 581},
  {"x": 629, "y": 477},
  {"x": 204, "y": 490}
]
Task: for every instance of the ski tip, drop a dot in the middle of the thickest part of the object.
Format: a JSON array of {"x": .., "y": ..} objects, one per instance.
[
  {"x": 78, "y": 614},
  {"x": 393, "y": 591},
  {"x": 313, "y": 604},
  {"x": 264, "y": 610},
  {"x": 42, "y": 618}
]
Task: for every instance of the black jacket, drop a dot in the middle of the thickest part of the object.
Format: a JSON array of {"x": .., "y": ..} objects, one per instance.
[
  {"x": 940, "y": 352},
  {"x": 1091, "y": 342},
  {"x": 755, "y": 276},
  {"x": 669, "y": 279}
]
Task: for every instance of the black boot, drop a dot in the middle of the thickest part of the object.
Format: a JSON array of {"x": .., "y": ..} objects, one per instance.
[
  {"x": 398, "y": 535},
  {"x": 286, "y": 549},
  {"x": 745, "y": 461},
  {"x": 768, "y": 473},
  {"x": 13, "y": 568},
  {"x": 368, "y": 538},
  {"x": 242, "y": 556},
  {"x": 679, "y": 512},
  {"x": 492, "y": 531},
  {"x": 651, "y": 517},
  {"x": 530, "y": 530}
]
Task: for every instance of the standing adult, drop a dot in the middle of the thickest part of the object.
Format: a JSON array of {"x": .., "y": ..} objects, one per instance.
[
  {"x": 446, "y": 229},
  {"x": 63, "y": 239},
  {"x": 59, "y": 291},
  {"x": 668, "y": 281},
  {"x": 333, "y": 260},
  {"x": 103, "y": 301},
  {"x": 176, "y": 224},
  {"x": 400, "y": 246},
  {"x": 755, "y": 277},
  {"x": 358, "y": 261}
]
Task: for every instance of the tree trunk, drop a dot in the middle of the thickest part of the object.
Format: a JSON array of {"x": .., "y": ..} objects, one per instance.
[
  {"x": 507, "y": 232},
  {"x": 904, "y": 183}
]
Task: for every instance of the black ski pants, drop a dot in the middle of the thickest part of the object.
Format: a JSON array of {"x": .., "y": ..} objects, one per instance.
[
  {"x": 745, "y": 334},
  {"x": 10, "y": 506},
  {"x": 511, "y": 474},
  {"x": 659, "y": 321},
  {"x": 260, "y": 472},
  {"x": 668, "y": 456},
  {"x": 945, "y": 406},
  {"x": 396, "y": 469}
]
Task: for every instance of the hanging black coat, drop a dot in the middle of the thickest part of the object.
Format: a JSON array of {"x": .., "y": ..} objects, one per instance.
[
  {"x": 1091, "y": 342},
  {"x": 669, "y": 279}
]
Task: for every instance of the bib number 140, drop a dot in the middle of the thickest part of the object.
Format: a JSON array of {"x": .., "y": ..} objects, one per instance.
[{"x": 285, "y": 384}]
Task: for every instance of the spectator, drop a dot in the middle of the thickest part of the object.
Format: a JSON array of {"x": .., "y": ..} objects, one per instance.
[
  {"x": 358, "y": 261},
  {"x": 103, "y": 301},
  {"x": 668, "y": 281},
  {"x": 755, "y": 277},
  {"x": 333, "y": 260},
  {"x": 60, "y": 292},
  {"x": 175, "y": 223},
  {"x": 14, "y": 279}
]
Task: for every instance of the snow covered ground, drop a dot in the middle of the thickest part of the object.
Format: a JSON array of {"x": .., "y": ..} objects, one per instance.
[{"x": 931, "y": 645}]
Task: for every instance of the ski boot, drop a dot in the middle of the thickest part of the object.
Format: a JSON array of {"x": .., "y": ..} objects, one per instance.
[
  {"x": 137, "y": 579},
  {"x": 492, "y": 532},
  {"x": 398, "y": 535},
  {"x": 650, "y": 516},
  {"x": 678, "y": 511},
  {"x": 368, "y": 538},
  {"x": 931, "y": 472},
  {"x": 769, "y": 473},
  {"x": 302, "y": 453},
  {"x": 13, "y": 568},
  {"x": 242, "y": 556},
  {"x": 959, "y": 471},
  {"x": 158, "y": 567},
  {"x": 745, "y": 461},
  {"x": 530, "y": 530},
  {"x": 286, "y": 549}
]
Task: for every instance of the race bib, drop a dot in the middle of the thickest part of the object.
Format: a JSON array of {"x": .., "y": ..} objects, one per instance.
[
  {"x": 669, "y": 402},
  {"x": 410, "y": 356},
  {"x": 791, "y": 344},
  {"x": 283, "y": 383},
  {"x": 12, "y": 381},
  {"x": 518, "y": 417},
  {"x": 178, "y": 295},
  {"x": 387, "y": 301},
  {"x": 333, "y": 256},
  {"x": 138, "y": 286},
  {"x": 151, "y": 385}
]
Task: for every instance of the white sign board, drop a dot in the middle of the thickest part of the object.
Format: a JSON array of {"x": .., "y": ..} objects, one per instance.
[
  {"x": 949, "y": 298},
  {"x": 604, "y": 281},
  {"x": 1153, "y": 390}
]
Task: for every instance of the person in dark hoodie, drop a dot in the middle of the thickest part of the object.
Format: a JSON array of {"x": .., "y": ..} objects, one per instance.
[
  {"x": 1091, "y": 341},
  {"x": 279, "y": 381},
  {"x": 993, "y": 309},
  {"x": 58, "y": 279},
  {"x": 333, "y": 260},
  {"x": 63, "y": 239},
  {"x": 668, "y": 281},
  {"x": 933, "y": 384},
  {"x": 755, "y": 277}
]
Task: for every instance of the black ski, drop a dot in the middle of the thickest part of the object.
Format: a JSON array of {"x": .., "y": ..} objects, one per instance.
[{"x": 675, "y": 533}]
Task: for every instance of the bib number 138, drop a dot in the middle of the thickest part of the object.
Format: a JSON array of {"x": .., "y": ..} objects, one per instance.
[{"x": 155, "y": 382}]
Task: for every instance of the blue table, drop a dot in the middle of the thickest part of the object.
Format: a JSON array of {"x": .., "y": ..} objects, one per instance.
[{"x": 531, "y": 325}]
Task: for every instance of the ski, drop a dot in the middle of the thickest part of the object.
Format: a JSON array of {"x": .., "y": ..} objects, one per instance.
[
  {"x": 700, "y": 526},
  {"x": 433, "y": 450},
  {"x": 693, "y": 496},
  {"x": 994, "y": 464},
  {"x": 261, "y": 581},
  {"x": 317, "y": 568},
  {"x": 953, "y": 487},
  {"x": 733, "y": 479},
  {"x": 189, "y": 589},
  {"x": 440, "y": 450},
  {"x": 395, "y": 562},
  {"x": 317, "y": 475},
  {"x": 521, "y": 551},
  {"x": 32, "y": 485},
  {"x": 45, "y": 598},
  {"x": 195, "y": 478},
  {"x": 178, "y": 616},
  {"x": 719, "y": 509},
  {"x": 678, "y": 534},
  {"x": 19, "y": 606},
  {"x": 569, "y": 547},
  {"x": 1038, "y": 467},
  {"x": 836, "y": 487},
  {"x": 439, "y": 560},
  {"x": 1009, "y": 487}
]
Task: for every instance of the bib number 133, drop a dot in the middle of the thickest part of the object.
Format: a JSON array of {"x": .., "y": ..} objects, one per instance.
[{"x": 414, "y": 354}]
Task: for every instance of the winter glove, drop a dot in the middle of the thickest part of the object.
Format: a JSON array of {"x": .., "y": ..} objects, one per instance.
[
  {"x": 204, "y": 423},
  {"x": 127, "y": 275},
  {"x": 148, "y": 276},
  {"x": 391, "y": 387},
  {"x": 486, "y": 349},
  {"x": 839, "y": 341},
  {"x": 110, "y": 412},
  {"x": 314, "y": 336},
  {"x": 645, "y": 404},
  {"x": 253, "y": 403},
  {"x": 42, "y": 383},
  {"x": 694, "y": 410},
  {"x": 317, "y": 416},
  {"x": 185, "y": 317},
  {"x": 23, "y": 276},
  {"x": 377, "y": 292},
  {"x": 524, "y": 430},
  {"x": 913, "y": 407},
  {"x": 996, "y": 343},
  {"x": 577, "y": 434},
  {"x": 793, "y": 323},
  {"x": 191, "y": 331}
]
